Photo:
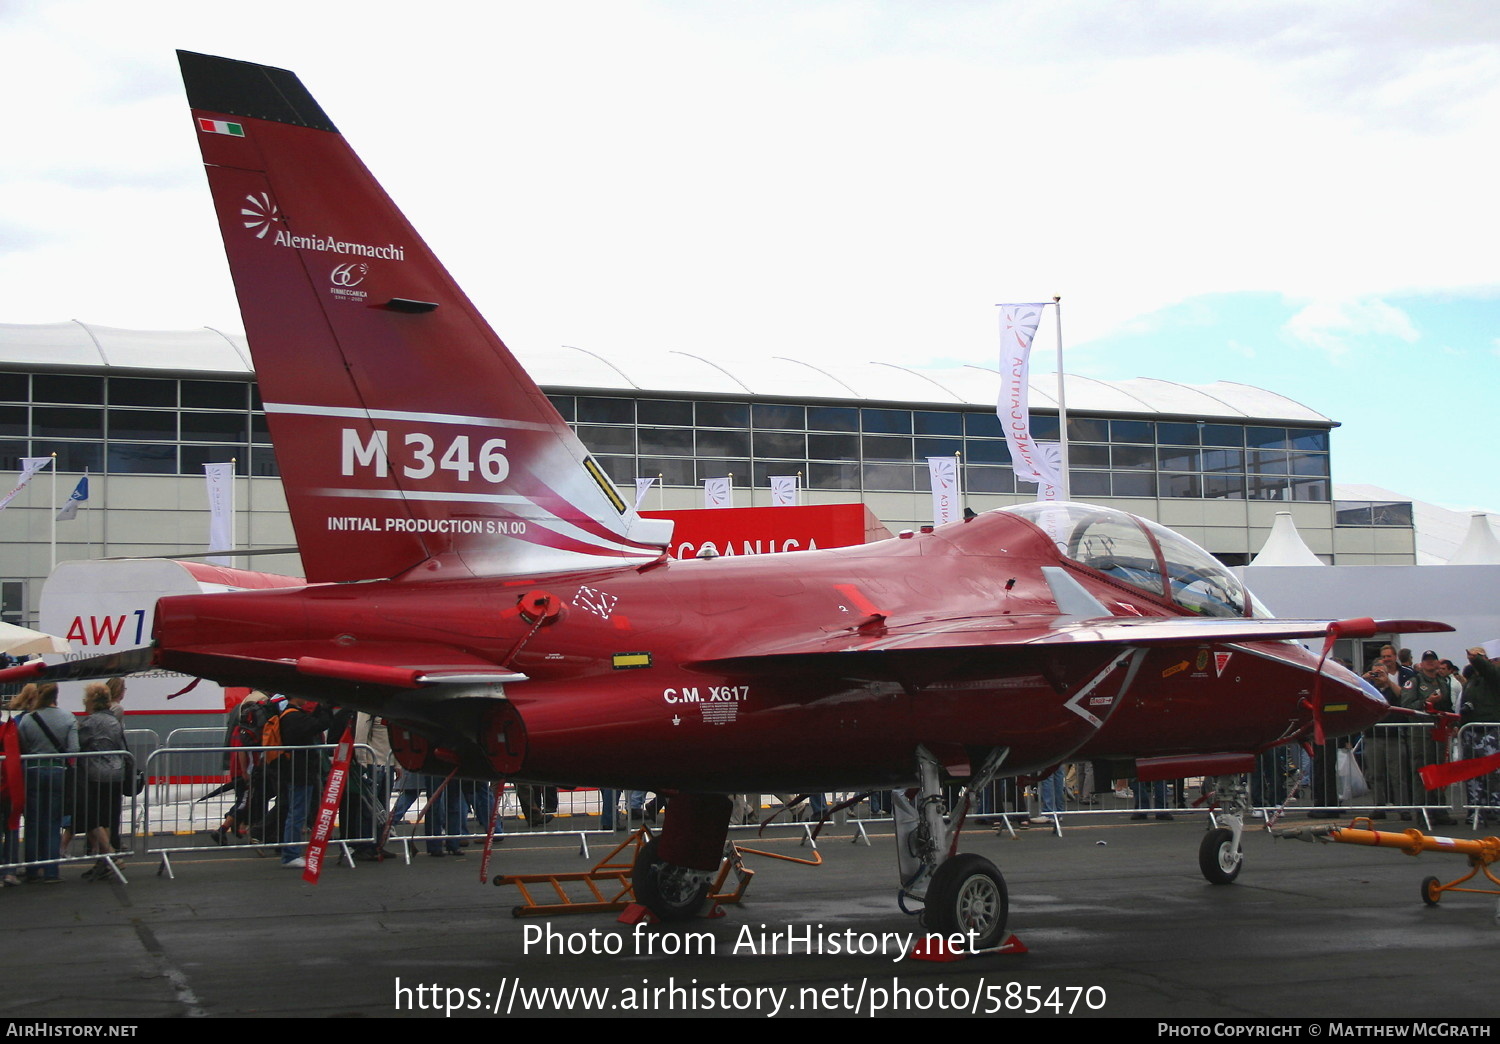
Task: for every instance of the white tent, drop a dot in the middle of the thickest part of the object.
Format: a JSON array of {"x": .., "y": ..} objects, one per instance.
[
  {"x": 1480, "y": 546},
  {"x": 1285, "y": 547}
]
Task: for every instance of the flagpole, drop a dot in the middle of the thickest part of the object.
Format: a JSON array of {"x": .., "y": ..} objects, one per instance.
[
  {"x": 958, "y": 481},
  {"x": 53, "y": 513},
  {"x": 1064, "y": 482}
]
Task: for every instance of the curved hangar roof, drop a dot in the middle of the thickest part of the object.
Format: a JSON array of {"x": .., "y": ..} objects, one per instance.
[{"x": 208, "y": 351}]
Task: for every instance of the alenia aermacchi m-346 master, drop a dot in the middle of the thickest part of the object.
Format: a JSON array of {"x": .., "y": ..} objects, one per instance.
[{"x": 476, "y": 579}]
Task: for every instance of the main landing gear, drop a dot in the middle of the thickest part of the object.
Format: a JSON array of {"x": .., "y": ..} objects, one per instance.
[
  {"x": 675, "y": 871},
  {"x": 960, "y": 893},
  {"x": 673, "y": 893},
  {"x": 1220, "y": 855}
]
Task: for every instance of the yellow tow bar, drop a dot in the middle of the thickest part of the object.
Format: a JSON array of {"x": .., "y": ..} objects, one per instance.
[{"x": 1481, "y": 852}]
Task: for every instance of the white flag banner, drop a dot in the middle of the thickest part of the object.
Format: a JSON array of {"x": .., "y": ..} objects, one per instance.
[
  {"x": 220, "y": 478},
  {"x": 29, "y": 467},
  {"x": 716, "y": 493},
  {"x": 1050, "y": 489},
  {"x": 80, "y": 494},
  {"x": 1018, "y": 325},
  {"x": 642, "y": 487},
  {"x": 783, "y": 490},
  {"x": 944, "y": 474}
]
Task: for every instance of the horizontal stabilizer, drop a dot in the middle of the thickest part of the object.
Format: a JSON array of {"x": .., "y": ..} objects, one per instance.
[
  {"x": 403, "y": 677},
  {"x": 404, "y": 665},
  {"x": 128, "y": 661}
]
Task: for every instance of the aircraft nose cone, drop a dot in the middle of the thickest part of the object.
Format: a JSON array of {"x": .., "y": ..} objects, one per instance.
[{"x": 1350, "y": 704}]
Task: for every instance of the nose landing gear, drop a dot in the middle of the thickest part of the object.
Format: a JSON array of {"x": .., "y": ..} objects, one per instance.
[{"x": 1220, "y": 857}]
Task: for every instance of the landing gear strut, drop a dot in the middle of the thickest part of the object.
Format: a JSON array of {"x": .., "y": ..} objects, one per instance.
[
  {"x": 1220, "y": 857},
  {"x": 960, "y": 892}
]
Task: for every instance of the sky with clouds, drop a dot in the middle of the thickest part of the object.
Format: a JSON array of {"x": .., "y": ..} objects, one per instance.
[{"x": 1294, "y": 195}]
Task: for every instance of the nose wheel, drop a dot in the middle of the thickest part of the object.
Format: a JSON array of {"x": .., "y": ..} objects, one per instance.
[
  {"x": 1219, "y": 857},
  {"x": 967, "y": 895}
]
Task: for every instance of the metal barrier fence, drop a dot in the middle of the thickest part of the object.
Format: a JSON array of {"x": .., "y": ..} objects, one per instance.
[
  {"x": 206, "y": 797},
  {"x": 201, "y": 797},
  {"x": 77, "y": 795},
  {"x": 1480, "y": 797},
  {"x": 1387, "y": 759},
  {"x": 1386, "y": 762}
]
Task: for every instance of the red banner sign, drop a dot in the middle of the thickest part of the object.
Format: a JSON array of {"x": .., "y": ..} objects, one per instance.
[{"x": 768, "y": 530}]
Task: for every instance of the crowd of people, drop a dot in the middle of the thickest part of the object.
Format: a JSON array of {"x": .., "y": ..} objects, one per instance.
[
  {"x": 74, "y": 786},
  {"x": 1432, "y": 688}
]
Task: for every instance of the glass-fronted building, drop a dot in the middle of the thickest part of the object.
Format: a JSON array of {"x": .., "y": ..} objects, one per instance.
[{"x": 143, "y": 411}]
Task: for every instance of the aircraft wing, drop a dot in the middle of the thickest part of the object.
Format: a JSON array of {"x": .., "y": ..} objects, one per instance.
[{"x": 1007, "y": 634}]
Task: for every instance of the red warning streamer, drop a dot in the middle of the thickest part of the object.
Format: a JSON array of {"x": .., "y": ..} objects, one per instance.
[{"x": 323, "y": 828}]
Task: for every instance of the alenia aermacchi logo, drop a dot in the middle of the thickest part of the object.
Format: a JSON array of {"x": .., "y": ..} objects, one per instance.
[{"x": 260, "y": 212}]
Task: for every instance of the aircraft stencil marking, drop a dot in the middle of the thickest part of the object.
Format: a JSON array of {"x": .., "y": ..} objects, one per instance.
[
  {"x": 1075, "y": 703},
  {"x": 707, "y": 694},
  {"x": 373, "y": 453},
  {"x": 594, "y": 601},
  {"x": 719, "y": 713}
]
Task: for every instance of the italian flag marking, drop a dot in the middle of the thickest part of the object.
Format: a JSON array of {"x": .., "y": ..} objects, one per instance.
[{"x": 221, "y": 127}]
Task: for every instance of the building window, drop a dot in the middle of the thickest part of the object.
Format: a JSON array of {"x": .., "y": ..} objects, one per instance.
[
  {"x": 1372, "y": 513},
  {"x": 150, "y": 425},
  {"x": 13, "y": 601}
]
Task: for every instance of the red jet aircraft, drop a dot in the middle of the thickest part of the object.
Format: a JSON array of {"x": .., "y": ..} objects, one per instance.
[{"x": 477, "y": 580}]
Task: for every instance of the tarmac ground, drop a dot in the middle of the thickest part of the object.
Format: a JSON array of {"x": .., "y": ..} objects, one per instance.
[{"x": 1116, "y": 917}]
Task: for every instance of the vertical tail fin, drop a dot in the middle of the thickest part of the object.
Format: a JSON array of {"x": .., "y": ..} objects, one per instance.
[{"x": 405, "y": 431}]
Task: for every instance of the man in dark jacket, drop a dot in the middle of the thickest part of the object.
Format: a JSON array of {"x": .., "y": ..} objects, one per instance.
[
  {"x": 1387, "y": 761},
  {"x": 1428, "y": 692},
  {"x": 299, "y": 773}
]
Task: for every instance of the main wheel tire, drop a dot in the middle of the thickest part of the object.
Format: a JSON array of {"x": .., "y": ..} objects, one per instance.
[
  {"x": 673, "y": 893},
  {"x": 1430, "y": 891},
  {"x": 967, "y": 894},
  {"x": 1218, "y": 858}
]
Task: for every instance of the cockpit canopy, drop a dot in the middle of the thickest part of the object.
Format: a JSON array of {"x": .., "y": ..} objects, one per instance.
[{"x": 1141, "y": 553}]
